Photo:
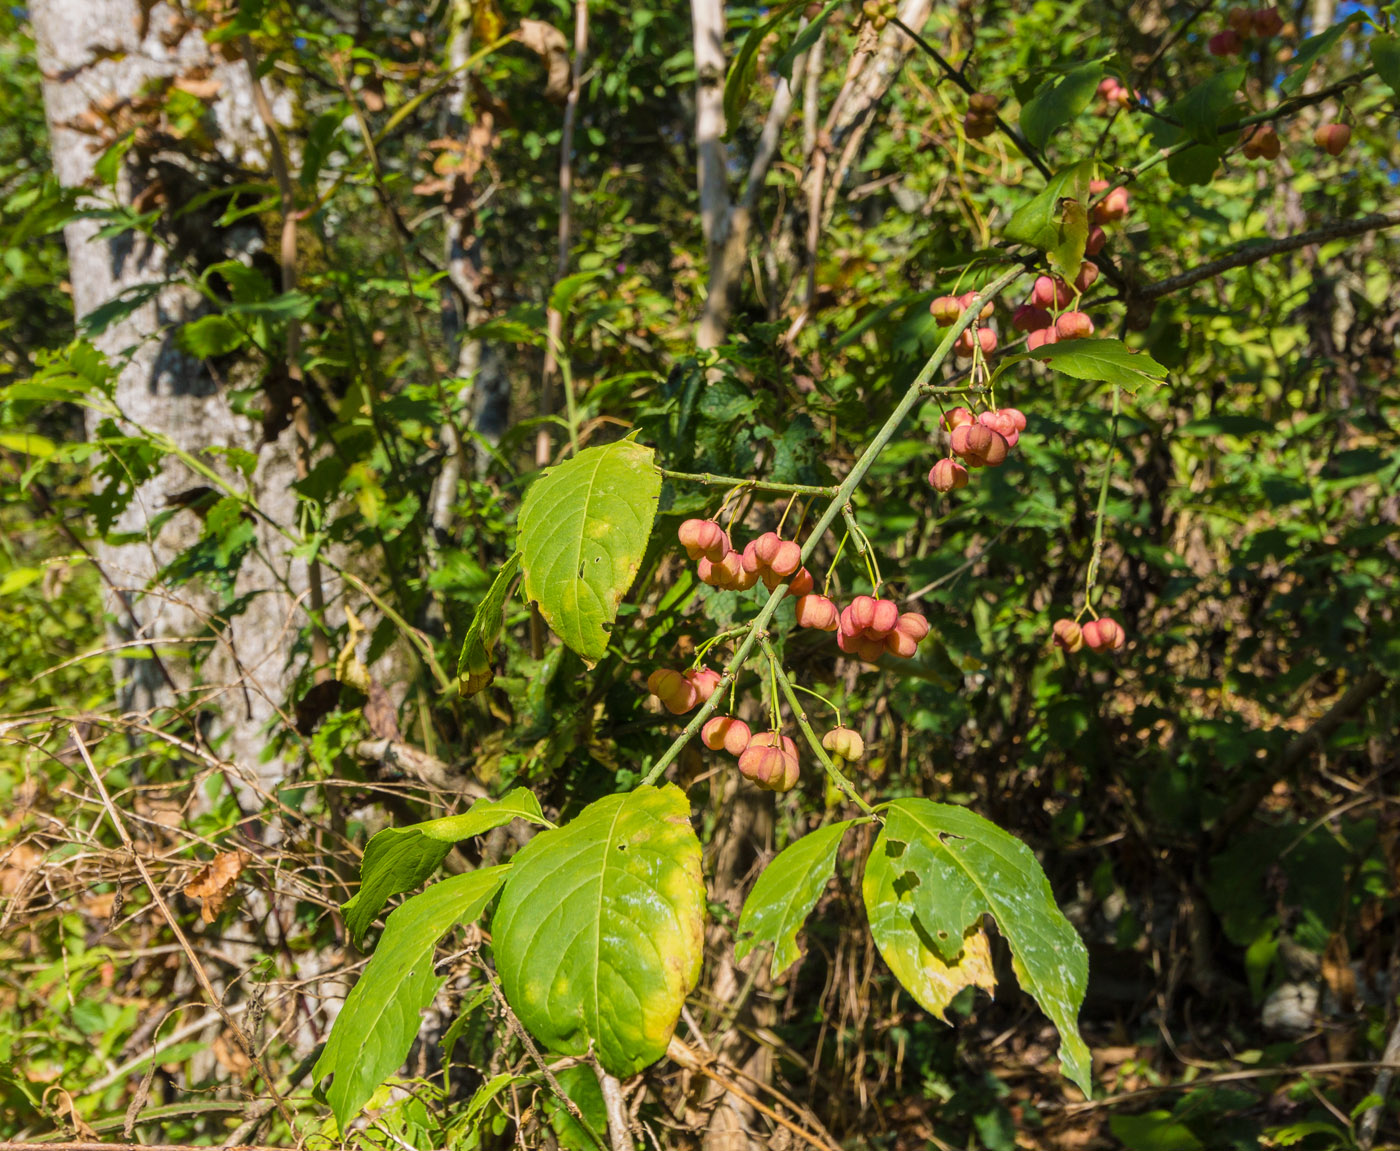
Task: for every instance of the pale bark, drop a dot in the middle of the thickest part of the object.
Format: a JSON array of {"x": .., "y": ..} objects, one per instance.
[
  {"x": 708, "y": 20},
  {"x": 162, "y": 389}
]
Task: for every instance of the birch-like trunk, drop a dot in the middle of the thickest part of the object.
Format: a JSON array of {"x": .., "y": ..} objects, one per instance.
[{"x": 96, "y": 56}]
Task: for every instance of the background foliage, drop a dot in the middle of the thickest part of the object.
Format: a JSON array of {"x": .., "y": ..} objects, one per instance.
[{"x": 1214, "y": 805}]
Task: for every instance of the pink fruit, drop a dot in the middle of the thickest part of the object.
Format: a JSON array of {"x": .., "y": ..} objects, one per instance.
[
  {"x": 1097, "y": 239},
  {"x": 947, "y": 475},
  {"x": 787, "y": 559},
  {"x": 1104, "y": 634},
  {"x": 1267, "y": 22},
  {"x": 1262, "y": 143},
  {"x": 770, "y": 760},
  {"x": 913, "y": 625},
  {"x": 1018, "y": 420},
  {"x": 703, "y": 538},
  {"x": 676, "y": 693},
  {"x": 870, "y": 650},
  {"x": 745, "y": 578},
  {"x": 956, "y": 418},
  {"x": 1074, "y": 326},
  {"x": 802, "y": 583},
  {"x": 1029, "y": 318},
  {"x": 1003, "y": 425},
  {"x": 983, "y": 447},
  {"x": 1225, "y": 43},
  {"x": 860, "y": 614},
  {"x": 725, "y": 733},
  {"x": 724, "y": 574},
  {"x": 977, "y": 126},
  {"x": 843, "y": 743},
  {"x": 1068, "y": 635},
  {"x": 945, "y": 310},
  {"x": 884, "y": 619},
  {"x": 766, "y": 547},
  {"x": 965, "y": 343},
  {"x": 899, "y": 644},
  {"x": 988, "y": 339},
  {"x": 1088, "y": 273},
  {"x": 1051, "y": 292},
  {"x": 1040, "y": 338},
  {"x": 704, "y": 680},
  {"x": 1332, "y": 138},
  {"x": 1112, "y": 207},
  {"x": 749, "y": 560},
  {"x": 818, "y": 612}
]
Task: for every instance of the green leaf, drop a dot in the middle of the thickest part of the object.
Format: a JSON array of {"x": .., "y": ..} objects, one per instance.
[
  {"x": 785, "y": 894},
  {"x": 1201, "y": 110},
  {"x": 1106, "y": 360},
  {"x": 1195, "y": 165},
  {"x": 1314, "y": 46},
  {"x": 583, "y": 528},
  {"x": 739, "y": 82},
  {"x": 18, "y": 578},
  {"x": 475, "y": 669},
  {"x": 946, "y": 867},
  {"x": 1153, "y": 1131},
  {"x": 377, "y": 1024},
  {"x": 580, "y": 1084},
  {"x": 1385, "y": 57},
  {"x": 599, "y": 933},
  {"x": 1058, "y": 101},
  {"x": 398, "y": 859},
  {"x": 210, "y": 336},
  {"x": 1044, "y": 223},
  {"x": 567, "y": 289},
  {"x": 805, "y": 39}
]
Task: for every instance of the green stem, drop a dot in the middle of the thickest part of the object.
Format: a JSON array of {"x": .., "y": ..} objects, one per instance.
[
  {"x": 1097, "y": 553},
  {"x": 863, "y": 549},
  {"x": 912, "y": 395},
  {"x": 832, "y": 771},
  {"x": 740, "y": 482}
]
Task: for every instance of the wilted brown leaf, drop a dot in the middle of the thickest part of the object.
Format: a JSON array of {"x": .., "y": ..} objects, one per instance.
[
  {"x": 215, "y": 881},
  {"x": 549, "y": 42}
]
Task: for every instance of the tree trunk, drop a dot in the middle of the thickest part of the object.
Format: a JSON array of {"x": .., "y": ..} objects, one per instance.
[{"x": 97, "y": 57}]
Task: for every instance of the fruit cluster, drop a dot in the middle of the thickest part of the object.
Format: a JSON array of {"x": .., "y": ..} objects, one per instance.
[
  {"x": 678, "y": 691},
  {"x": 879, "y": 13},
  {"x": 1115, "y": 94},
  {"x": 1245, "y": 24},
  {"x": 869, "y": 627},
  {"x": 980, "y": 441},
  {"x": 946, "y": 310},
  {"x": 1102, "y": 634},
  {"x": 981, "y": 118},
  {"x": 769, "y": 758}
]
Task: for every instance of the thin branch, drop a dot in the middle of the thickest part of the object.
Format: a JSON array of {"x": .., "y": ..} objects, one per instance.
[
  {"x": 1023, "y": 145},
  {"x": 754, "y": 485},
  {"x": 200, "y": 975},
  {"x": 619, "y": 1129},
  {"x": 1253, "y": 253}
]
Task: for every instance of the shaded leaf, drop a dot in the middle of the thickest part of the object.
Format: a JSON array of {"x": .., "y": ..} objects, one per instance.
[
  {"x": 742, "y": 72},
  {"x": 1385, "y": 57},
  {"x": 1058, "y": 101},
  {"x": 551, "y": 44},
  {"x": 599, "y": 933},
  {"x": 785, "y": 894},
  {"x": 805, "y": 39},
  {"x": 376, "y": 1027},
  {"x": 949, "y": 867},
  {"x": 584, "y": 526},
  {"x": 475, "y": 667},
  {"x": 1314, "y": 46},
  {"x": 398, "y": 859}
]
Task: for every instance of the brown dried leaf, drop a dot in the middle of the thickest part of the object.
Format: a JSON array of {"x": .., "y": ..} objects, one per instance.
[
  {"x": 545, "y": 39},
  {"x": 215, "y": 882}
]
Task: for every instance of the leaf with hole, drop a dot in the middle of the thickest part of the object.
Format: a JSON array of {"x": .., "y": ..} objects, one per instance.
[
  {"x": 599, "y": 934},
  {"x": 1043, "y": 222},
  {"x": 380, "y": 1019},
  {"x": 785, "y": 894},
  {"x": 398, "y": 859},
  {"x": 584, "y": 527},
  {"x": 934, "y": 872}
]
